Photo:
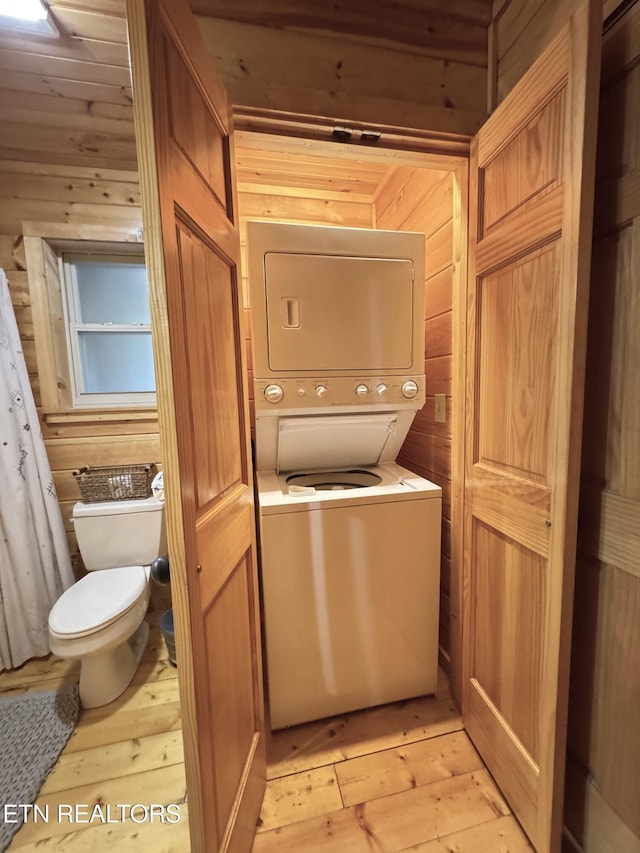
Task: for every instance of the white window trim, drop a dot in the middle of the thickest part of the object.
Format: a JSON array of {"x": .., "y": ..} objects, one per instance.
[{"x": 70, "y": 303}]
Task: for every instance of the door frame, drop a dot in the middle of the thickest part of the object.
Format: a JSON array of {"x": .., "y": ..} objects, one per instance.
[{"x": 401, "y": 146}]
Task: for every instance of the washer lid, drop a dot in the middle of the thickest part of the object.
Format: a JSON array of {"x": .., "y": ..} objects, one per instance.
[
  {"x": 333, "y": 441},
  {"x": 97, "y": 600}
]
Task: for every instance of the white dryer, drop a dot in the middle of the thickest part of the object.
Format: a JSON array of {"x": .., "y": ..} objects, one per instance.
[{"x": 349, "y": 540}]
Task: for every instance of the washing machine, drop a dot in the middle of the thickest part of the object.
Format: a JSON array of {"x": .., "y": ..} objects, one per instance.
[{"x": 349, "y": 539}]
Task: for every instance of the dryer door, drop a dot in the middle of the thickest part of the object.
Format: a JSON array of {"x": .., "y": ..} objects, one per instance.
[{"x": 338, "y": 313}]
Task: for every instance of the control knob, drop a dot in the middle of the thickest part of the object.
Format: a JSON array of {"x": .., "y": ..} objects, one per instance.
[
  {"x": 382, "y": 387},
  {"x": 362, "y": 390},
  {"x": 409, "y": 389},
  {"x": 273, "y": 393},
  {"x": 321, "y": 390}
]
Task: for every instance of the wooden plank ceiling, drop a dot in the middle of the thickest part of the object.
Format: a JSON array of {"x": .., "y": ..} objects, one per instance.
[{"x": 68, "y": 101}]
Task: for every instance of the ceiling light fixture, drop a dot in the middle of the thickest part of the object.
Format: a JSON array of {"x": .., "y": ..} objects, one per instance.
[{"x": 27, "y": 16}]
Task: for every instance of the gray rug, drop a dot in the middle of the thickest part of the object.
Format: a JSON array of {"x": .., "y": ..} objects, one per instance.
[{"x": 34, "y": 728}]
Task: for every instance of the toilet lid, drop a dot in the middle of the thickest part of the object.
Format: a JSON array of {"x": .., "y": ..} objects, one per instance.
[{"x": 97, "y": 600}]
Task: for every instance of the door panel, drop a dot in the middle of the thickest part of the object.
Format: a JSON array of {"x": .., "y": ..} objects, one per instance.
[
  {"x": 209, "y": 287},
  {"x": 531, "y": 204},
  {"x": 508, "y": 665},
  {"x": 515, "y": 365},
  {"x": 228, "y": 629},
  {"x": 192, "y": 252},
  {"x": 193, "y": 127},
  {"x": 528, "y": 165}
]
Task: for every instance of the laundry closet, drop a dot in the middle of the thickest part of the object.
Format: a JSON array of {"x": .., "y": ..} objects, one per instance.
[{"x": 354, "y": 190}]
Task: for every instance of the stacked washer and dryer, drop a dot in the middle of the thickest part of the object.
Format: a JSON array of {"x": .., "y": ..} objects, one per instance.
[{"x": 349, "y": 540}]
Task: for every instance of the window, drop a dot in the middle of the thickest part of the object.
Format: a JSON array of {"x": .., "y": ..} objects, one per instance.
[
  {"x": 27, "y": 16},
  {"x": 106, "y": 305}
]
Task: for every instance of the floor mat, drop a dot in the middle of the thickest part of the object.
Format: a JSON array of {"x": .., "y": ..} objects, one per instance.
[{"x": 34, "y": 728}]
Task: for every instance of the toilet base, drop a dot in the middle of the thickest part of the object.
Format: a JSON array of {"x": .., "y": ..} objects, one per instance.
[{"x": 103, "y": 677}]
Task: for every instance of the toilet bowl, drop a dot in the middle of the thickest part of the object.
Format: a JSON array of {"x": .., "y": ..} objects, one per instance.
[{"x": 100, "y": 619}]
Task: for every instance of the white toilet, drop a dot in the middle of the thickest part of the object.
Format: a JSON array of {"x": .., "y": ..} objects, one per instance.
[{"x": 100, "y": 619}]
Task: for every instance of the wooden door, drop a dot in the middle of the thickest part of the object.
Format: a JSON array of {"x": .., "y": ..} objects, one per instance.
[
  {"x": 531, "y": 201},
  {"x": 192, "y": 249}
]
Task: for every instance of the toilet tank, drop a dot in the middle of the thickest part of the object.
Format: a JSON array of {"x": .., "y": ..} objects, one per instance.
[{"x": 120, "y": 533}]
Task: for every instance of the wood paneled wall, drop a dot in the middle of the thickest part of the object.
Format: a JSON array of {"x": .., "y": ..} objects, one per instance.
[
  {"x": 603, "y": 784},
  {"x": 73, "y": 202},
  {"x": 520, "y": 30},
  {"x": 415, "y": 200},
  {"x": 417, "y": 65},
  {"x": 68, "y": 167}
]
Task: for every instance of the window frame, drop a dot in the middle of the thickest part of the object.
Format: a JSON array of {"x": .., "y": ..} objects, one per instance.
[
  {"x": 41, "y": 246},
  {"x": 81, "y": 399}
]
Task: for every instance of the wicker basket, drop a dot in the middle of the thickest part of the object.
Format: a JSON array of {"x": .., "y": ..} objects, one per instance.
[{"x": 115, "y": 483}]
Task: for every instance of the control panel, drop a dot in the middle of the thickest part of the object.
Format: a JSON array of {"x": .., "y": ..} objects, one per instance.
[{"x": 340, "y": 391}]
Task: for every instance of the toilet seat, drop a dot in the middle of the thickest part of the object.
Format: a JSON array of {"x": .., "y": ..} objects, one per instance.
[{"x": 97, "y": 600}]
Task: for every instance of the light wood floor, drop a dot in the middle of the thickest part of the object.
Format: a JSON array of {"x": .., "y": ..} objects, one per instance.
[
  {"x": 401, "y": 777},
  {"x": 127, "y": 752}
]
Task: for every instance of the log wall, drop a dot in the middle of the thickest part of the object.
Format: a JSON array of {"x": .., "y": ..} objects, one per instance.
[
  {"x": 74, "y": 202},
  {"x": 415, "y": 200},
  {"x": 417, "y": 65},
  {"x": 603, "y": 782}
]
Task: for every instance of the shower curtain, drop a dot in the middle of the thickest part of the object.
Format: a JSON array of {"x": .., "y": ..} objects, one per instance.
[{"x": 35, "y": 567}]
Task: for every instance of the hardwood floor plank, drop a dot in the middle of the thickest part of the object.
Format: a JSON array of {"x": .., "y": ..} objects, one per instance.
[
  {"x": 139, "y": 722},
  {"x": 338, "y": 738},
  {"x": 503, "y": 835},
  {"x": 394, "y": 822},
  {"x": 136, "y": 696},
  {"x": 56, "y": 683},
  {"x": 303, "y": 748},
  {"x": 336, "y": 832},
  {"x": 151, "y": 671},
  {"x": 299, "y": 796},
  {"x": 393, "y": 770},
  {"x": 401, "y": 722},
  {"x": 114, "y": 761},
  {"x": 431, "y": 811},
  {"x": 37, "y": 672}
]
